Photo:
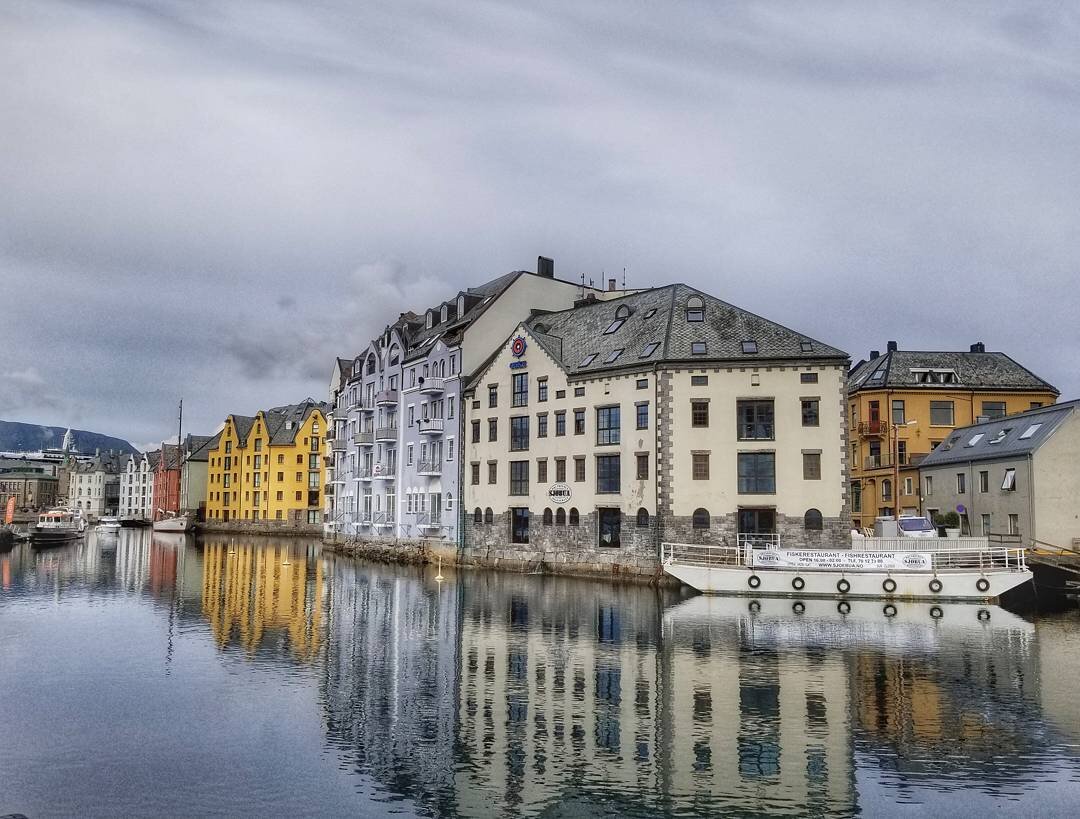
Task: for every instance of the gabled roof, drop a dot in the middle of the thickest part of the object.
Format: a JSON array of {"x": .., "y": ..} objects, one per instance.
[
  {"x": 243, "y": 424},
  {"x": 1002, "y": 437},
  {"x": 154, "y": 458},
  {"x": 898, "y": 369},
  {"x": 282, "y": 423},
  {"x": 578, "y": 340},
  {"x": 198, "y": 447}
]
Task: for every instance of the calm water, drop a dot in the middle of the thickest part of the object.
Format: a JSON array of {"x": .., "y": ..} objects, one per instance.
[{"x": 144, "y": 675}]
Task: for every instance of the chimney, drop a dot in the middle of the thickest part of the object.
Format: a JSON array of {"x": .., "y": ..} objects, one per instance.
[
  {"x": 545, "y": 267},
  {"x": 892, "y": 346},
  {"x": 874, "y": 354},
  {"x": 978, "y": 347},
  {"x": 611, "y": 285}
]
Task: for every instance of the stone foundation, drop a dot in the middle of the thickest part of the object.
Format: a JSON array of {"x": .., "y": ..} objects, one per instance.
[{"x": 261, "y": 527}]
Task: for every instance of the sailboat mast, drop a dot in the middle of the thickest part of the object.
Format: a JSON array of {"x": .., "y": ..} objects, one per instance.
[{"x": 179, "y": 464}]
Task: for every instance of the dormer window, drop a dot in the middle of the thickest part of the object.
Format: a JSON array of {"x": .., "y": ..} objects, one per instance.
[
  {"x": 461, "y": 305},
  {"x": 445, "y": 313},
  {"x": 749, "y": 347},
  {"x": 695, "y": 309},
  {"x": 429, "y": 319}
]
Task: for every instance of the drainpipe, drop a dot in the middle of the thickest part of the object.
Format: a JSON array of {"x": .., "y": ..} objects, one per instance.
[{"x": 1031, "y": 495}]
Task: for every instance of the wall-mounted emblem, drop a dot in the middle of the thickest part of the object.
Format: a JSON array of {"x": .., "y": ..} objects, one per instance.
[
  {"x": 559, "y": 493},
  {"x": 517, "y": 346}
]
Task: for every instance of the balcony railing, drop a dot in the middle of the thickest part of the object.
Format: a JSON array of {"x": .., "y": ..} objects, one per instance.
[
  {"x": 428, "y": 520},
  {"x": 364, "y": 438},
  {"x": 383, "y": 472},
  {"x": 386, "y": 434},
  {"x": 430, "y": 426},
  {"x": 382, "y": 519},
  {"x": 338, "y": 443},
  {"x": 385, "y": 398},
  {"x": 429, "y": 468},
  {"x": 432, "y": 386},
  {"x": 363, "y": 473},
  {"x": 878, "y": 462},
  {"x": 873, "y": 429}
]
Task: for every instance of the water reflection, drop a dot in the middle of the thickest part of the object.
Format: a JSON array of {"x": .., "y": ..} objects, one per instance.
[{"x": 512, "y": 694}]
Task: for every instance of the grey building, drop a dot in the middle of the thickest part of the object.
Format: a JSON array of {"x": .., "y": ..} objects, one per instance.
[{"x": 1018, "y": 475}]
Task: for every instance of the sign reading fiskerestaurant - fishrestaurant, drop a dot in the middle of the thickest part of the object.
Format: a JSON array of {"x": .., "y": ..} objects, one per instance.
[{"x": 842, "y": 560}]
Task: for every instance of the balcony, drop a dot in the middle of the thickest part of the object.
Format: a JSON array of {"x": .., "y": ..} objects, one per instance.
[
  {"x": 364, "y": 438},
  {"x": 427, "y": 520},
  {"x": 878, "y": 462},
  {"x": 338, "y": 443},
  {"x": 431, "y": 469},
  {"x": 430, "y": 426},
  {"x": 386, "y": 398},
  {"x": 387, "y": 434},
  {"x": 382, "y": 519},
  {"x": 873, "y": 429},
  {"x": 433, "y": 386},
  {"x": 363, "y": 473},
  {"x": 383, "y": 472}
]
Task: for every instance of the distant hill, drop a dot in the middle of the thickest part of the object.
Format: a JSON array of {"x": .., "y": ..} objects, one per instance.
[{"x": 17, "y": 437}]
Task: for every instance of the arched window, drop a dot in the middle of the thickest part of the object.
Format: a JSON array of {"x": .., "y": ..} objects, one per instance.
[
  {"x": 547, "y": 517},
  {"x": 449, "y": 502},
  {"x": 573, "y": 516},
  {"x": 886, "y": 490},
  {"x": 560, "y": 517},
  {"x": 812, "y": 520},
  {"x": 695, "y": 309},
  {"x": 623, "y": 312},
  {"x": 489, "y": 516},
  {"x": 371, "y": 364},
  {"x": 642, "y": 517},
  {"x": 701, "y": 518},
  {"x": 478, "y": 515}
]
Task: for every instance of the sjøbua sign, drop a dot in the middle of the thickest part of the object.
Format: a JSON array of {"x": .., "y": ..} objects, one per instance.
[
  {"x": 559, "y": 493},
  {"x": 842, "y": 560}
]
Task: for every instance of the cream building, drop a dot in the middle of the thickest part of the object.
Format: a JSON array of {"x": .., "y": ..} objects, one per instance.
[
  {"x": 137, "y": 487},
  {"x": 595, "y": 433}
]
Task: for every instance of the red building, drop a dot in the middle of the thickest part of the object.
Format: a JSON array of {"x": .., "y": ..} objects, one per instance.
[{"x": 167, "y": 483}]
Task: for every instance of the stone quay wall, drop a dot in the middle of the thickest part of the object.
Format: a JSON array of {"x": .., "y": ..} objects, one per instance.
[{"x": 261, "y": 527}]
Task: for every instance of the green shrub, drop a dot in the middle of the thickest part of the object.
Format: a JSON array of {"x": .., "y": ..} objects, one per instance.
[{"x": 952, "y": 520}]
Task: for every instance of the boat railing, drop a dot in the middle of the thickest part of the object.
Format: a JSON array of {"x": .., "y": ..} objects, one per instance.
[
  {"x": 919, "y": 544},
  {"x": 701, "y": 554}
]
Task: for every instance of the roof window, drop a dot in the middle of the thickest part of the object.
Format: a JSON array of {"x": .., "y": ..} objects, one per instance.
[
  {"x": 1030, "y": 431},
  {"x": 997, "y": 439},
  {"x": 949, "y": 444},
  {"x": 615, "y": 325},
  {"x": 698, "y": 348},
  {"x": 978, "y": 436},
  {"x": 650, "y": 348},
  {"x": 695, "y": 309},
  {"x": 650, "y": 312},
  {"x": 587, "y": 360},
  {"x": 614, "y": 354},
  {"x": 806, "y": 346},
  {"x": 749, "y": 347}
]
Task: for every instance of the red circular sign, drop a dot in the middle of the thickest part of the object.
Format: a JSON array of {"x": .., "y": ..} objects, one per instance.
[{"x": 517, "y": 346}]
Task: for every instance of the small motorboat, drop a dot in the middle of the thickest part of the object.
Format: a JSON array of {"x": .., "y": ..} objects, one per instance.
[
  {"x": 108, "y": 524},
  {"x": 174, "y": 523},
  {"x": 58, "y": 527}
]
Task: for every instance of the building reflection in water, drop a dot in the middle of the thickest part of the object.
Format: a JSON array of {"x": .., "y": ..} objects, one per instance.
[{"x": 254, "y": 592}]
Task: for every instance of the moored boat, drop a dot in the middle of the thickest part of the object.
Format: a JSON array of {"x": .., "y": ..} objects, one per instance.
[
  {"x": 174, "y": 523},
  {"x": 108, "y": 524},
  {"x": 57, "y": 527},
  {"x": 881, "y": 568}
]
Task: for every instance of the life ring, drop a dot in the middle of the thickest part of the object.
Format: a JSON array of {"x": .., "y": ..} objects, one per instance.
[
  {"x": 843, "y": 586},
  {"x": 935, "y": 585},
  {"x": 889, "y": 610},
  {"x": 798, "y": 607},
  {"x": 936, "y": 612},
  {"x": 798, "y": 583},
  {"x": 844, "y": 607},
  {"x": 983, "y": 614},
  {"x": 753, "y": 581},
  {"x": 889, "y": 585},
  {"x": 982, "y": 584},
  {"x": 755, "y": 606}
]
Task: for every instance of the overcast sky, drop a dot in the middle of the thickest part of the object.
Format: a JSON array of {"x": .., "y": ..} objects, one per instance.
[{"x": 214, "y": 199}]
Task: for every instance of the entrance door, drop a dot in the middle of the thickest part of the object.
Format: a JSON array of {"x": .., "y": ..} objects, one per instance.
[
  {"x": 757, "y": 526},
  {"x": 875, "y": 417}
]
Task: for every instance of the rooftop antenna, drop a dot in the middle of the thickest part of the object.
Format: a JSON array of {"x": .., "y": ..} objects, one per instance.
[
  {"x": 583, "y": 284},
  {"x": 624, "y": 277}
]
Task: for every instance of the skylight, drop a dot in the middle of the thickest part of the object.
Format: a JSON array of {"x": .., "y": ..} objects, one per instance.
[
  {"x": 978, "y": 436},
  {"x": 615, "y": 325},
  {"x": 749, "y": 347},
  {"x": 806, "y": 346},
  {"x": 650, "y": 313},
  {"x": 997, "y": 439},
  {"x": 650, "y": 348},
  {"x": 587, "y": 360},
  {"x": 1030, "y": 431},
  {"x": 613, "y": 355},
  {"x": 697, "y": 348}
]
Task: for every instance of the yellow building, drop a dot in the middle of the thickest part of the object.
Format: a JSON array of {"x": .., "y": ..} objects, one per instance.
[
  {"x": 268, "y": 466},
  {"x": 904, "y": 403}
]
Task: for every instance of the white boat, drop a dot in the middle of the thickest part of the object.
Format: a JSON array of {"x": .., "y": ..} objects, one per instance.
[
  {"x": 109, "y": 524},
  {"x": 881, "y": 568},
  {"x": 174, "y": 523},
  {"x": 57, "y": 527}
]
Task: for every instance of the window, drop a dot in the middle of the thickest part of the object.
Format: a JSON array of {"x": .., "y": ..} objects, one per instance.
[
  {"x": 808, "y": 378},
  {"x": 560, "y": 470},
  {"x": 757, "y": 473},
  {"x": 649, "y": 349},
  {"x": 615, "y": 325},
  {"x": 909, "y": 486},
  {"x": 493, "y": 429},
  {"x": 574, "y": 518},
  {"x": 548, "y": 518},
  {"x": 898, "y": 412},
  {"x": 985, "y": 525},
  {"x": 695, "y": 309},
  {"x": 642, "y": 518},
  {"x": 519, "y": 396},
  {"x": 755, "y": 420},
  {"x": 642, "y": 384},
  {"x": 579, "y": 392},
  {"x": 698, "y": 348},
  {"x": 699, "y": 413},
  {"x": 519, "y": 477},
  {"x": 812, "y": 521},
  {"x": 519, "y": 433},
  {"x": 997, "y": 439},
  {"x": 1030, "y": 431},
  {"x": 579, "y": 422},
  {"x": 642, "y": 466},
  {"x": 810, "y": 412},
  {"x": 493, "y": 472},
  {"x": 541, "y": 389},
  {"x": 811, "y": 466},
  {"x": 984, "y": 481},
  {"x": 701, "y": 519},
  {"x": 476, "y": 432},
  {"x": 1014, "y": 524},
  {"x": 587, "y": 360},
  {"x": 699, "y": 381},
  {"x": 475, "y": 474},
  {"x": 478, "y": 515},
  {"x": 941, "y": 413},
  {"x": 886, "y": 491},
  {"x": 1008, "y": 483},
  {"x": 560, "y": 422},
  {"x": 700, "y": 466},
  {"x": 607, "y": 426},
  {"x": 856, "y": 496},
  {"x": 519, "y": 525},
  {"x": 993, "y": 409},
  {"x": 929, "y": 485},
  {"x": 560, "y": 517},
  {"x": 642, "y": 412},
  {"x": 493, "y": 395},
  {"x": 749, "y": 347},
  {"x": 609, "y": 526},
  {"x": 541, "y": 470},
  {"x": 541, "y": 425},
  {"x": 961, "y": 483},
  {"x": 560, "y": 394},
  {"x": 975, "y": 439},
  {"x": 579, "y": 469}
]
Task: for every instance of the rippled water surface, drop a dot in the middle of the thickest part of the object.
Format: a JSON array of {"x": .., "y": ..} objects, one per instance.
[{"x": 148, "y": 674}]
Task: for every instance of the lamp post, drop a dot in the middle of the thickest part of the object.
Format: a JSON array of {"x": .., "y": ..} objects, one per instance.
[{"x": 896, "y": 462}]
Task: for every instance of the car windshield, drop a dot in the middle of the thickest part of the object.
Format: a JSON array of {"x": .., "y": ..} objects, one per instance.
[{"x": 916, "y": 525}]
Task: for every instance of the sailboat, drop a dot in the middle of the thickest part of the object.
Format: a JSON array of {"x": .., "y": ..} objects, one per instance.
[{"x": 171, "y": 520}]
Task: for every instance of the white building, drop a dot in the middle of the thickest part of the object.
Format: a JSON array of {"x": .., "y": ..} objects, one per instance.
[
  {"x": 95, "y": 485},
  {"x": 137, "y": 487}
]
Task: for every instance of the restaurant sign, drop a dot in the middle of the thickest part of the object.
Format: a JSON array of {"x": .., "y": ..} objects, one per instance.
[{"x": 842, "y": 560}]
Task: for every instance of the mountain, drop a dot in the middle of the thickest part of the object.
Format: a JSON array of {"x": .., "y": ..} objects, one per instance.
[{"x": 18, "y": 437}]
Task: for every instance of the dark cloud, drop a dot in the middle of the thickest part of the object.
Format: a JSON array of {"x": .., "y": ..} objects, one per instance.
[{"x": 214, "y": 200}]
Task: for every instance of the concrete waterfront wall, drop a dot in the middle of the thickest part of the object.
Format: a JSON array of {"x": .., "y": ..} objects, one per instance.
[{"x": 261, "y": 527}]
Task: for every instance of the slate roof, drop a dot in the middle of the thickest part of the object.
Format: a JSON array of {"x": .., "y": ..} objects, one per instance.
[
  {"x": 198, "y": 446},
  {"x": 958, "y": 447},
  {"x": 282, "y": 423},
  {"x": 243, "y": 425},
  {"x": 974, "y": 370},
  {"x": 168, "y": 453},
  {"x": 154, "y": 458},
  {"x": 658, "y": 316}
]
